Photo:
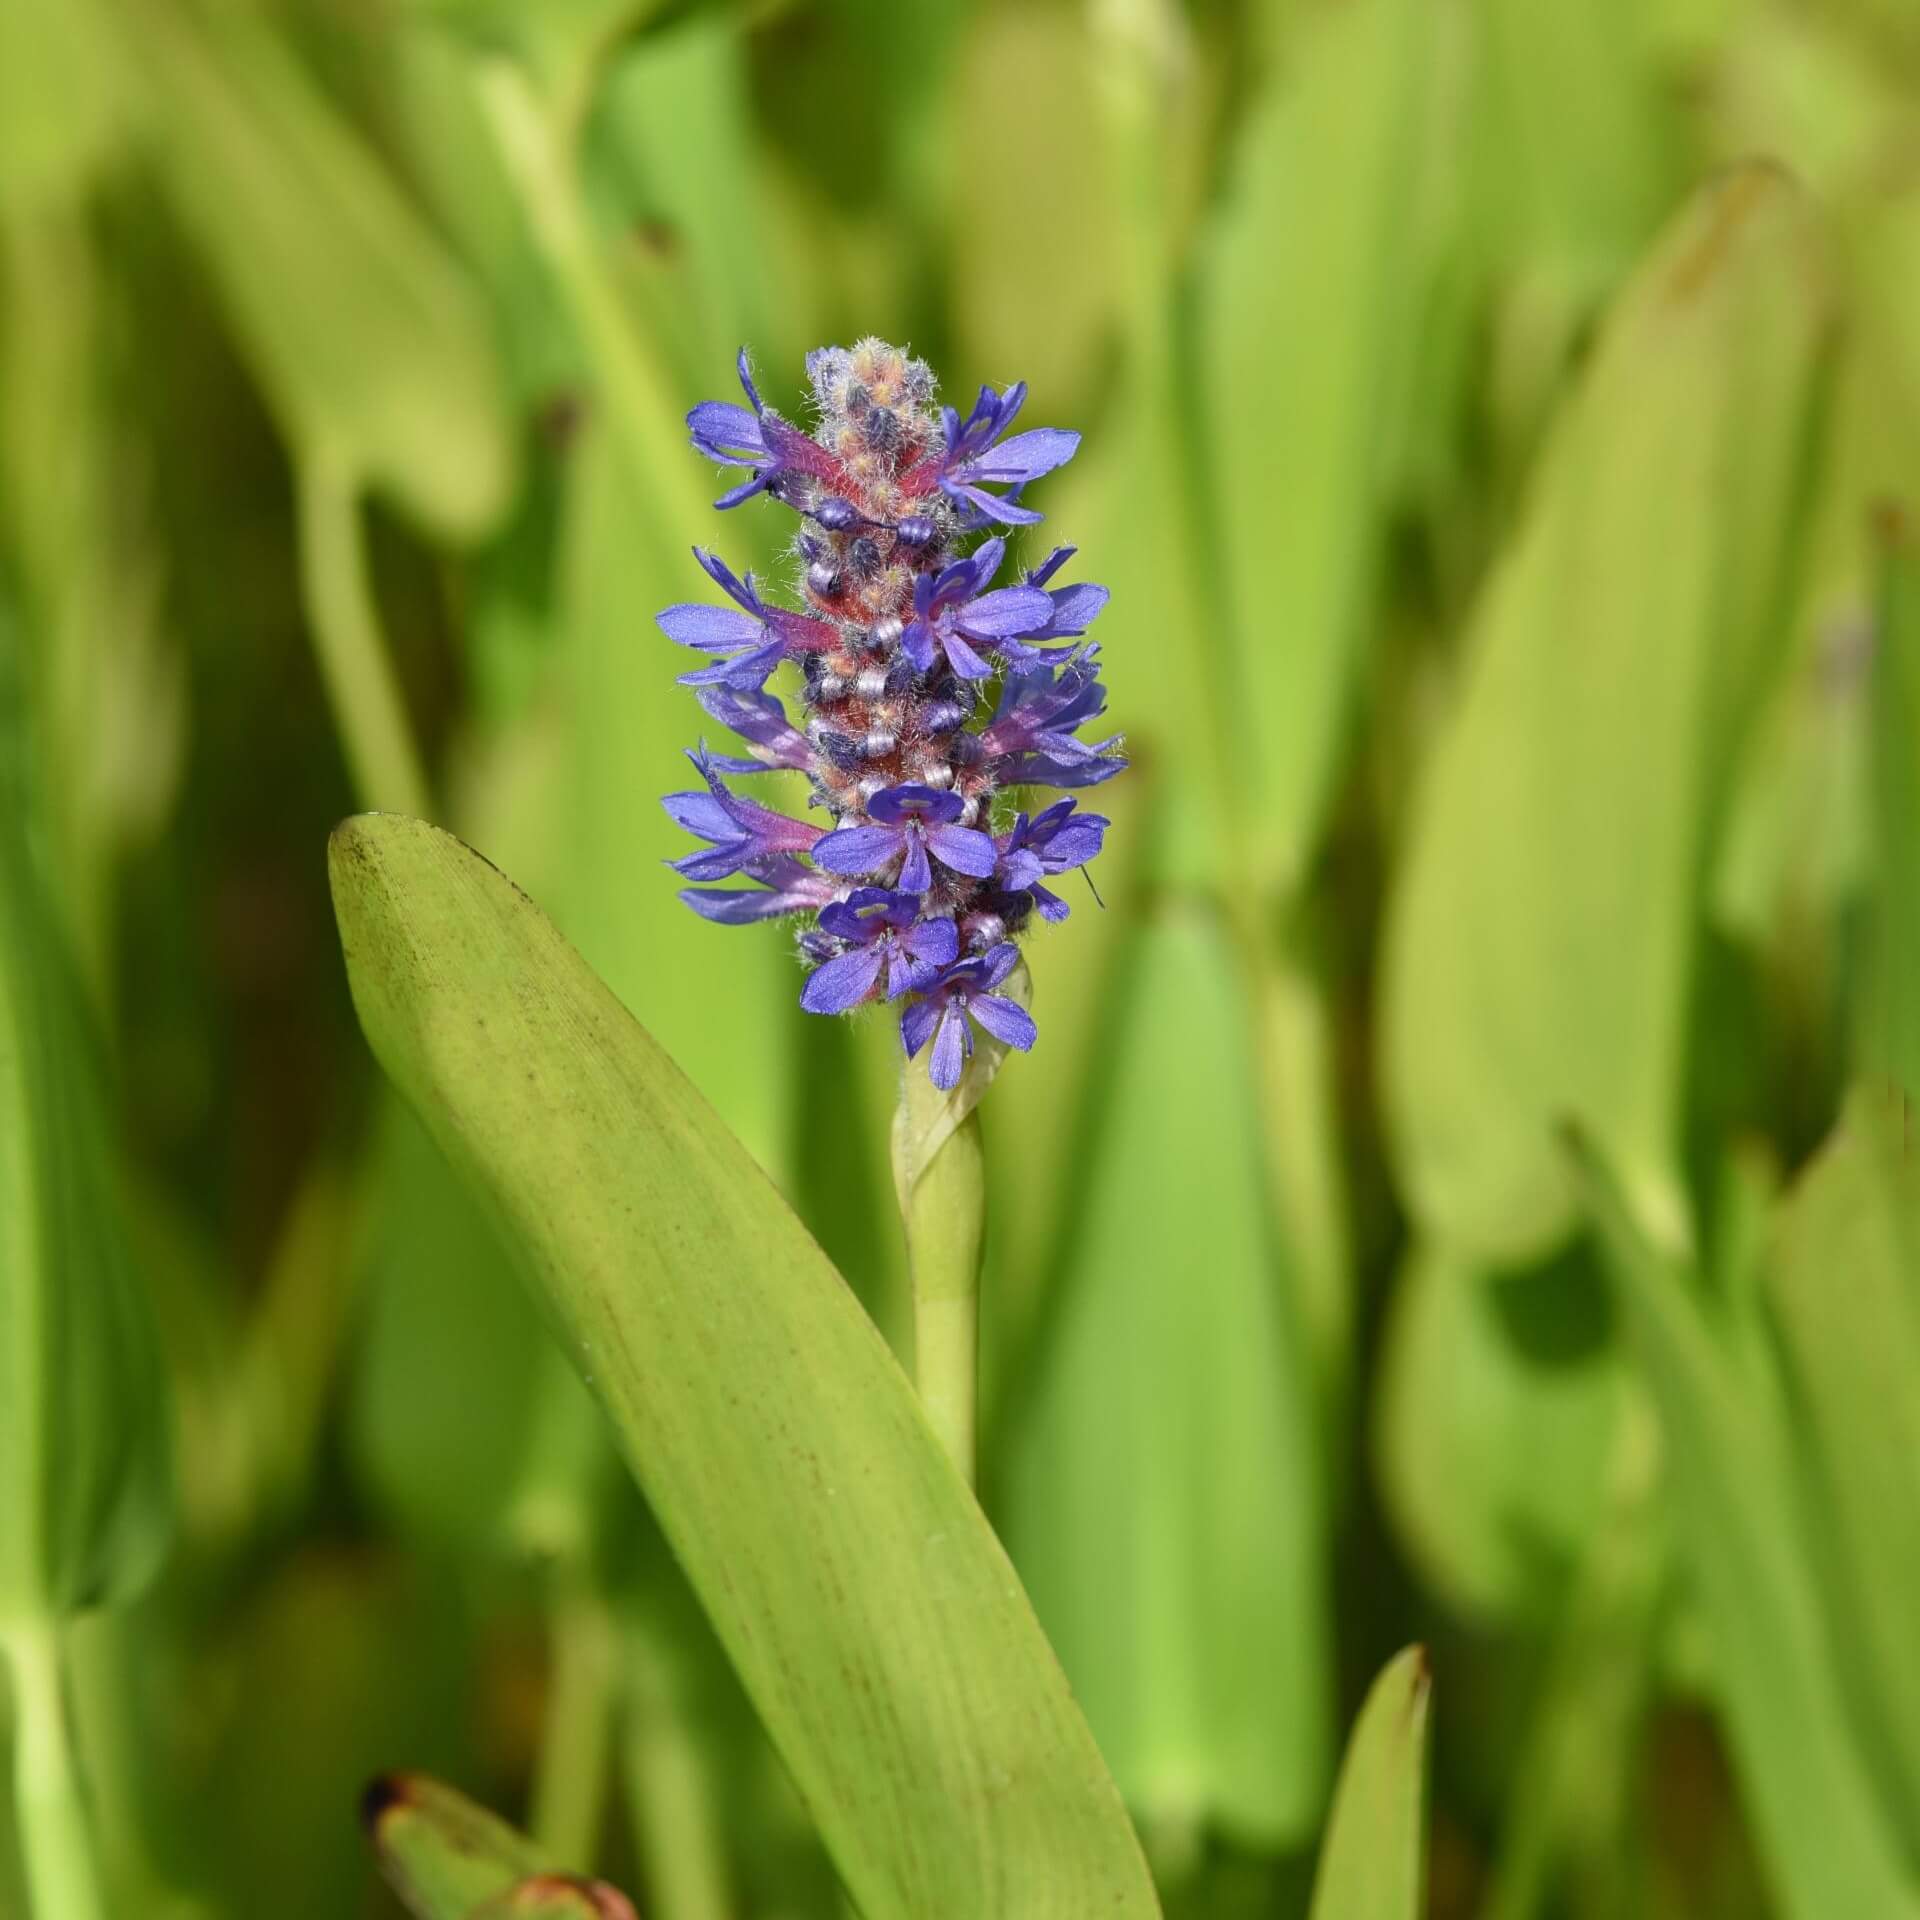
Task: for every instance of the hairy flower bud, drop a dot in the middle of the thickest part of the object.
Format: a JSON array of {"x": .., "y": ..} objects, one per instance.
[{"x": 931, "y": 691}]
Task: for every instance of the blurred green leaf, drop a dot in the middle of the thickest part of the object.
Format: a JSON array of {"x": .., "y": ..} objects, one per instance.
[
  {"x": 364, "y": 331},
  {"x": 1498, "y": 1400},
  {"x": 1542, "y": 928},
  {"x": 1372, "y": 1865},
  {"x": 1572, "y": 131},
  {"x": 857, "y": 1589},
  {"x": 725, "y": 1003},
  {"x": 63, "y": 98},
  {"x": 1309, "y": 305},
  {"x": 1570, "y": 159},
  {"x": 1892, "y": 1043},
  {"x": 1162, "y": 1486},
  {"x": 464, "y": 1422},
  {"x": 1751, "y": 1567},
  {"x": 671, "y": 159},
  {"x": 1844, "y": 1282},
  {"x": 84, "y": 1457},
  {"x": 1029, "y": 89}
]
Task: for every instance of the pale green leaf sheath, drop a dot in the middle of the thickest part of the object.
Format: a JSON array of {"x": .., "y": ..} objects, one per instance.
[
  {"x": 857, "y": 1588},
  {"x": 1372, "y": 1863}
]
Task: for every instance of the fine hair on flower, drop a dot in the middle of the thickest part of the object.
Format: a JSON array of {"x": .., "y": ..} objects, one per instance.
[{"x": 934, "y": 692}]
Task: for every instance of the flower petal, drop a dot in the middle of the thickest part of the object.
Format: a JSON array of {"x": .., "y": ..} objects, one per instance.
[
  {"x": 916, "y": 876},
  {"x": 964, "y": 849},
  {"x": 951, "y": 1045},
  {"x": 1005, "y": 1019},
  {"x": 856, "y": 850},
  {"x": 711, "y": 629},
  {"x": 963, "y": 660},
  {"x": 842, "y": 984},
  {"x": 916, "y": 1022},
  {"x": 1007, "y": 610}
]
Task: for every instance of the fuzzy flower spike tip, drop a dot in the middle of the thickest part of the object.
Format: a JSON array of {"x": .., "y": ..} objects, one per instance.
[{"x": 933, "y": 683}]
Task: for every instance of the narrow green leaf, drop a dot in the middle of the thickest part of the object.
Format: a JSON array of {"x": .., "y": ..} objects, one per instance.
[
  {"x": 1800, "y": 1766},
  {"x": 862, "y": 1598},
  {"x": 1162, "y": 1479},
  {"x": 1541, "y": 933},
  {"x": 1844, "y": 1282},
  {"x": 366, "y": 334},
  {"x": 84, "y": 1456},
  {"x": 1372, "y": 1866},
  {"x": 1310, "y": 309}
]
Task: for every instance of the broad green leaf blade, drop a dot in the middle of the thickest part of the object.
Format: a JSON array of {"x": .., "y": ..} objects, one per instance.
[
  {"x": 1891, "y": 1043},
  {"x": 1496, "y": 1410},
  {"x": 1844, "y": 1282},
  {"x": 1541, "y": 933},
  {"x": 1162, "y": 1481},
  {"x": 1799, "y": 1763},
  {"x": 1309, "y": 302},
  {"x": 84, "y": 1435},
  {"x": 1372, "y": 1866},
  {"x": 862, "y": 1598},
  {"x": 365, "y": 332}
]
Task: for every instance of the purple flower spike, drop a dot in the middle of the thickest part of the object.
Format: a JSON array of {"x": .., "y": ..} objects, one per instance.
[
  {"x": 743, "y": 837},
  {"x": 1054, "y": 841},
  {"x": 951, "y": 613},
  {"x": 906, "y": 647},
  {"x": 963, "y": 994},
  {"x": 914, "y": 821},
  {"x": 883, "y": 937}
]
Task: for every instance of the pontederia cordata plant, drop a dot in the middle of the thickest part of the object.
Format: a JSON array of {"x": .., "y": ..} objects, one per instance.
[
  {"x": 911, "y": 892},
  {"x": 929, "y": 692}
]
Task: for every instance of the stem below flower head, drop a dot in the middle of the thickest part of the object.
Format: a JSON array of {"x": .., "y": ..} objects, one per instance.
[
  {"x": 63, "y": 1876},
  {"x": 944, "y": 1209}
]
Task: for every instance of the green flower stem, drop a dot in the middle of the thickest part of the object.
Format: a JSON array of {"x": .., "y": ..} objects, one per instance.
[
  {"x": 945, "y": 1216},
  {"x": 361, "y": 687},
  {"x": 576, "y": 1735},
  {"x": 670, "y": 1785},
  {"x": 63, "y": 1876}
]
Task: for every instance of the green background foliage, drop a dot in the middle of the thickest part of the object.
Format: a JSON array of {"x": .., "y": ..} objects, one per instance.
[{"x": 1463, "y": 1192}]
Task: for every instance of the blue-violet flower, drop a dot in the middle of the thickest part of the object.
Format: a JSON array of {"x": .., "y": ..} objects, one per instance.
[{"x": 912, "y": 892}]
